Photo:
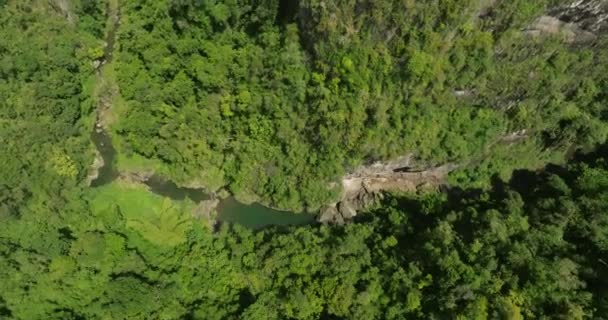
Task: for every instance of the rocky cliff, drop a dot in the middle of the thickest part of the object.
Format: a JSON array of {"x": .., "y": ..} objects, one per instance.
[
  {"x": 578, "y": 22},
  {"x": 367, "y": 183}
]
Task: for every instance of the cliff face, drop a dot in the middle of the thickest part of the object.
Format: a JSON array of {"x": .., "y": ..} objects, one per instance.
[
  {"x": 577, "y": 22},
  {"x": 588, "y": 15},
  {"x": 367, "y": 183}
]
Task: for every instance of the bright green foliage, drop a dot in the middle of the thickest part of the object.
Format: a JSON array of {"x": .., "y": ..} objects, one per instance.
[
  {"x": 276, "y": 101},
  {"x": 63, "y": 165},
  {"x": 283, "y": 97},
  {"x": 531, "y": 248},
  {"x": 157, "y": 220}
]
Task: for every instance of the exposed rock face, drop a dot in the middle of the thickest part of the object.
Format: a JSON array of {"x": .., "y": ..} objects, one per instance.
[
  {"x": 390, "y": 178},
  {"x": 589, "y": 15},
  {"x": 366, "y": 184},
  {"x": 64, "y": 7},
  {"x": 515, "y": 136},
  {"x": 581, "y": 21},
  {"x": 94, "y": 170},
  {"x": 206, "y": 208},
  {"x": 136, "y": 176},
  {"x": 552, "y": 25},
  {"x": 379, "y": 168},
  {"x": 347, "y": 210},
  {"x": 330, "y": 214}
]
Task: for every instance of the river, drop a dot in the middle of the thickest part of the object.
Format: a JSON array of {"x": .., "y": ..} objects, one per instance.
[
  {"x": 253, "y": 216},
  {"x": 230, "y": 210}
]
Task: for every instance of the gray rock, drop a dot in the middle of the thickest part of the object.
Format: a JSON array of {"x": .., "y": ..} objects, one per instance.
[
  {"x": 347, "y": 210},
  {"x": 328, "y": 214},
  {"x": 136, "y": 176},
  {"x": 591, "y": 15},
  {"x": 223, "y": 193},
  {"x": 98, "y": 163},
  {"x": 339, "y": 220},
  {"x": 205, "y": 208}
]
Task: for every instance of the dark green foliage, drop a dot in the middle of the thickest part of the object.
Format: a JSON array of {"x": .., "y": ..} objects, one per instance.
[
  {"x": 276, "y": 107},
  {"x": 276, "y": 101},
  {"x": 533, "y": 248},
  {"x": 44, "y": 108}
]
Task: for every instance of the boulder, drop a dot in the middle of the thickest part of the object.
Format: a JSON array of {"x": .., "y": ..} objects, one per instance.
[
  {"x": 205, "y": 208},
  {"x": 328, "y": 214},
  {"x": 98, "y": 163},
  {"x": 136, "y": 176},
  {"x": 346, "y": 209},
  {"x": 339, "y": 220},
  {"x": 223, "y": 193}
]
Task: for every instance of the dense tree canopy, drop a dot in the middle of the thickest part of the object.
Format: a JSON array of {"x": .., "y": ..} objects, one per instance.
[
  {"x": 532, "y": 248},
  {"x": 274, "y": 101}
]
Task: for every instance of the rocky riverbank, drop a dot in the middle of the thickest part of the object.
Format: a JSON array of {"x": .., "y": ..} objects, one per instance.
[{"x": 366, "y": 185}]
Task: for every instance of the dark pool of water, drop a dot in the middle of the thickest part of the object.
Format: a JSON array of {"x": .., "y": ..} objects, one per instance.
[
  {"x": 107, "y": 172},
  {"x": 256, "y": 216},
  {"x": 167, "y": 188},
  {"x": 229, "y": 210}
]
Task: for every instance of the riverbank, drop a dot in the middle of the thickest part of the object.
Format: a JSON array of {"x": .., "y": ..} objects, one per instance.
[
  {"x": 104, "y": 91},
  {"x": 141, "y": 175},
  {"x": 367, "y": 184},
  {"x": 360, "y": 189}
]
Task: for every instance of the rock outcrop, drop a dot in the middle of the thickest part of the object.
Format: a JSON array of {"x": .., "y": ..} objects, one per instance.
[
  {"x": 391, "y": 178},
  {"x": 588, "y": 15},
  {"x": 365, "y": 186},
  {"x": 138, "y": 177},
  {"x": 579, "y": 22},
  {"x": 98, "y": 163},
  {"x": 206, "y": 208},
  {"x": 329, "y": 214}
]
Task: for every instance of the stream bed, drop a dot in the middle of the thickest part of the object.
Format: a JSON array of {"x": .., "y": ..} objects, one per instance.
[
  {"x": 252, "y": 216},
  {"x": 229, "y": 210}
]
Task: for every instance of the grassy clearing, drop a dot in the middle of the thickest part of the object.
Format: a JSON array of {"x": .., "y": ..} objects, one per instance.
[
  {"x": 134, "y": 200},
  {"x": 133, "y": 162},
  {"x": 157, "y": 219}
]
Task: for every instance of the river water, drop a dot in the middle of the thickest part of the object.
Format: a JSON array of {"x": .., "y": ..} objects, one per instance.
[
  {"x": 103, "y": 143},
  {"x": 229, "y": 210},
  {"x": 253, "y": 216},
  {"x": 256, "y": 216}
]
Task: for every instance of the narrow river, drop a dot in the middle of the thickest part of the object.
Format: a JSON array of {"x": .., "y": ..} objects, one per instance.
[
  {"x": 253, "y": 216},
  {"x": 229, "y": 210}
]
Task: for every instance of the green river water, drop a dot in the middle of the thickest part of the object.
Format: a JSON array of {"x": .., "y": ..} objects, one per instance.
[
  {"x": 229, "y": 210},
  {"x": 256, "y": 216}
]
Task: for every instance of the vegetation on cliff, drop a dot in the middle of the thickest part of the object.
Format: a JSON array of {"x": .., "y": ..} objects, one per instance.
[
  {"x": 532, "y": 248},
  {"x": 277, "y": 101}
]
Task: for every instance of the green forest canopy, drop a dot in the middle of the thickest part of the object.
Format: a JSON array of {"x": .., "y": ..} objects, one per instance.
[
  {"x": 276, "y": 104},
  {"x": 534, "y": 248},
  {"x": 274, "y": 101}
]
